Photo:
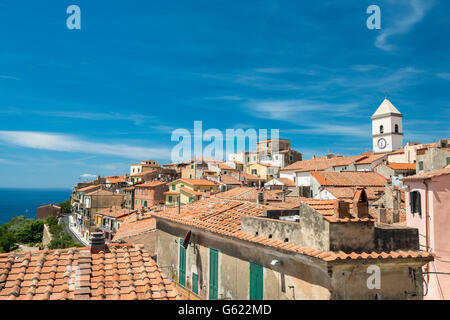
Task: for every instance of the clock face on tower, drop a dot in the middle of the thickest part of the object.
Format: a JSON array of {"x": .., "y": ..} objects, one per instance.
[{"x": 381, "y": 143}]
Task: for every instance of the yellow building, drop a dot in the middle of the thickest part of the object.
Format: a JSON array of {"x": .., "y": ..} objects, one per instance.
[
  {"x": 188, "y": 190},
  {"x": 193, "y": 170},
  {"x": 264, "y": 171}
]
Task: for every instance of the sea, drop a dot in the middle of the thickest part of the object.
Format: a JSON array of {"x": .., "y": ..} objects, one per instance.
[{"x": 24, "y": 202}]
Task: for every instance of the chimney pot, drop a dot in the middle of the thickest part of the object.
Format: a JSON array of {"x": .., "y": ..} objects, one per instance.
[
  {"x": 260, "y": 197},
  {"x": 97, "y": 241}
]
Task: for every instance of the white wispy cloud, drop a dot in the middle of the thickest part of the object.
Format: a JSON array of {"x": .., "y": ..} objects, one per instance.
[
  {"x": 138, "y": 119},
  {"x": 415, "y": 12},
  {"x": 88, "y": 176},
  {"x": 352, "y": 130},
  {"x": 444, "y": 75},
  {"x": 7, "y": 77},
  {"x": 70, "y": 143},
  {"x": 294, "y": 110},
  {"x": 364, "y": 67}
]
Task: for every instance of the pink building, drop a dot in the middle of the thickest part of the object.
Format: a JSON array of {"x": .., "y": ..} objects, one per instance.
[
  {"x": 149, "y": 194},
  {"x": 428, "y": 209}
]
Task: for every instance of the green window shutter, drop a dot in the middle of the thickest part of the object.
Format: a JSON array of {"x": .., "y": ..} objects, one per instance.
[
  {"x": 256, "y": 281},
  {"x": 192, "y": 166},
  {"x": 170, "y": 199},
  {"x": 448, "y": 160},
  {"x": 182, "y": 277},
  {"x": 173, "y": 187},
  {"x": 420, "y": 165},
  {"x": 195, "y": 283},
  {"x": 190, "y": 199},
  {"x": 213, "y": 274}
]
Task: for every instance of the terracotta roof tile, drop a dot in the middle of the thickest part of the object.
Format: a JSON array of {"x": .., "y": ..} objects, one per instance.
[
  {"x": 402, "y": 166},
  {"x": 320, "y": 164},
  {"x": 349, "y": 178},
  {"x": 428, "y": 174},
  {"x": 69, "y": 274}
]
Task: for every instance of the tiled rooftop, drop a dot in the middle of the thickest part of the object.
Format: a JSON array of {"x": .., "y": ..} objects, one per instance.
[
  {"x": 120, "y": 272},
  {"x": 151, "y": 184},
  {"x": 249, "y": 194},
  {"x": 287, "y": 182},
  {"x": 100, "y": 192},
  {"x": 349, "y": 192},
  {"x": 349, "y": 178},
  {"x": 84, "y": 189},
  {"x": 226, "y": 179},
  {"x": 428, "y": 174},
  {"x": 132, "y": 227},
  {"x": 115, "y": 212},
  {"x": 402, "y": 166},
  {"x": 198, "y": 182},
  {"x": 323, "y": 163},
  {"x": 371, "y": 158}
]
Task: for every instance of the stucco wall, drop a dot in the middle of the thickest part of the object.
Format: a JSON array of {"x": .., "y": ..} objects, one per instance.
[
  {"x": 350, "y": 237},
  {"x": 397, "y": 281},
  {"x": 309, "y": 280},
  {"x": 315, "y": 230},
  {"x": 439, "y": 224}
]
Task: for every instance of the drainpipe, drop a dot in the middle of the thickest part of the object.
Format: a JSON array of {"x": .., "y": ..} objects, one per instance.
[
  {"x": 179, "y": 203},
  {"x": 427, "y": 235}
]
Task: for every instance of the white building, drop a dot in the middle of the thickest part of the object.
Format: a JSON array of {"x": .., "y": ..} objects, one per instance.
[{"x": 387, "y": 130}]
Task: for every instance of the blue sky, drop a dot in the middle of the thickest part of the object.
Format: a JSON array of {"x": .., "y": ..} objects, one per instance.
[{"x": 94, "y": 100}]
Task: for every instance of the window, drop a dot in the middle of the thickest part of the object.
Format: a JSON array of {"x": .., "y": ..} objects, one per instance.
[
  {"x": 195, "y": 283},
  {"x": 396, "y": 128},
  {"x": 182, "y": 277},
  {"x": 420, "y": 165},
  {"x": 381, "y": 129},
  {"x": 145, "y": 203},
  {"x": 448, "y": 160},
  {"x": 248, "y": 159},
  {"x": 213, "y": 274},
  {"x": 256, "y": 281},
  {"x": 415, "y": 203},
  {"x": 173, "y": 187},
  {"x": 170, "y": 199},
  {"x": 192, "y": 166}
]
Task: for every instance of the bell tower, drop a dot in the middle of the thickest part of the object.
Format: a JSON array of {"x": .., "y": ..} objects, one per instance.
[{"x": 387, "y": 129}]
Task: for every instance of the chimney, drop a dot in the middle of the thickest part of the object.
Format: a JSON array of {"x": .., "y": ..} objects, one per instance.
[
  {"x": 342, "y": 209},
  {"x": 360, "y": 204},
  {"x": 137, "y": 215},
  {"x": 260, "y": 197},
  {"x": 97, "y": 242}
]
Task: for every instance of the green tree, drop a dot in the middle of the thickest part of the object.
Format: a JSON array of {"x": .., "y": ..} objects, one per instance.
[
  {"x": 32, "y": 232},
  {"x": 65, "y": 207},
  {"x": 7, "y": 242}
]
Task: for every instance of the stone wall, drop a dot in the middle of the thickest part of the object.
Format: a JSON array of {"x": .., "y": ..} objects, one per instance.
[{"x": 47, "y": 236}]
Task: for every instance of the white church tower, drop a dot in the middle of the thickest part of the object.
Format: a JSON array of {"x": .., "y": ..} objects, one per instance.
[{"x": 387, "y": 130}]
